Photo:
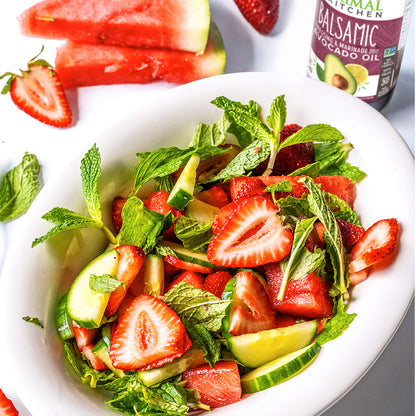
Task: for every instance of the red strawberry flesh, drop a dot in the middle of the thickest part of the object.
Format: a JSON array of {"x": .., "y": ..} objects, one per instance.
[
  {"x": 148, "y": 335},
  {"x": 261, "y": 14}
]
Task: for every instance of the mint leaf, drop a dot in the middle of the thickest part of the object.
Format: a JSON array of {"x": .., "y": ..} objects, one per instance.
[
  {"x": 105, "y": 283},
  {"x": 197, "y": 306},
  {"x": 210, "y": 134},
  {"x": 340, "y": 208},
  {"x": 244, "y": 162},
  {"x": 337, "y": 324},
  {"x": 141, "y": 227},
  {"x": 164, "y": 183},
  {"x": 19, "y": 188},
  {"x": 312, "y": 170},
  {"x": 194, "y": 235},
  {"x": 204, "y": 340},
  {"x": 294, "y": 206},
  {"x": 85, "y": 372},
  {"x": 332, "y": 236},
  {"x": 283, "y": 186},
  {"x": 65, "y": 220},
  {"x": 35, "y": 321},
  {"x": 302, "y": 231},
  {"x": 90, "y": 175},
  {"x": 313, "y": 133}
]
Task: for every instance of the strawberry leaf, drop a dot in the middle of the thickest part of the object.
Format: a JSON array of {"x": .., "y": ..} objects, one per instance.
[{"x": 8, "y": 84}]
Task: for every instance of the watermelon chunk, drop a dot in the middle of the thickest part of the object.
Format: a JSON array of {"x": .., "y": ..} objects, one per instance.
[
  {"x": 304, "y": 298},
  {"x": 171, "y": 24},
  {"x": 81, "y": 65},
  {"x": 340, "y": 186}
]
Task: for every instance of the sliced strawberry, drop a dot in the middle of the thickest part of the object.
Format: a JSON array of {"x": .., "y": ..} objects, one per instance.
[
  {"x": 246, "y": 186},
  {"x": 261, "y": 14},
  {"x": 377, "y": 243},
  {"x": 252, "y": 236},
  {"x": 304, "y": 298},
  {"x": 359, "y": 277},
  {"x": 38, "y": 92},
  {"x": 96, "y": 363},
  {"x": 7, "y": 407},
  {"x": 128, "y": 299},
  {"x": 186, "y": 265},
  {"x": 216, "y": 196},
  {"x": 116, "y": 209},
  {"x": 288, "y": 130},
  {"x": 215, "y": 282},
  {"x": 148, "y": 335},
  {"x": 131, "y": 259},
  {"x": 193, "y": 278},
  {"x": 218, "y": 386},
  {"x": 222, "y": 216},
  {"x": 83, "y": 336},
  {"x": 251, "y": 310}
]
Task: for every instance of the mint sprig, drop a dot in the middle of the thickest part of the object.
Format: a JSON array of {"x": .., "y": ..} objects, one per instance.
[{"x": 66, "y": 219}]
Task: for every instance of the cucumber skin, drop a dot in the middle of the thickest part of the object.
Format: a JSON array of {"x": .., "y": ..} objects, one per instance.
[
  {"x": 280, "y": 374},
  {"x": 63, "y": 320}
]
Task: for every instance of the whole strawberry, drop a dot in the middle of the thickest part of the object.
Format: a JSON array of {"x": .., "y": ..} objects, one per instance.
[
  {"x": 38, "y": 92},
  {"x": 261, "y": 14}
]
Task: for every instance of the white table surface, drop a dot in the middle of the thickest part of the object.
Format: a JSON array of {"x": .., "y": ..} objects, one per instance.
[{"x": 388, "y": 388}]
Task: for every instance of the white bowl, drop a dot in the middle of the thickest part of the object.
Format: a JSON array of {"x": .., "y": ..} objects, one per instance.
[{"x": 33, "y": 279}]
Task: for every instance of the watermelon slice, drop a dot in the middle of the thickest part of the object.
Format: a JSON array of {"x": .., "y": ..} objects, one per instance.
[
  {"x": 81, "y": 65},
  {"x": 171, "y": 24}
]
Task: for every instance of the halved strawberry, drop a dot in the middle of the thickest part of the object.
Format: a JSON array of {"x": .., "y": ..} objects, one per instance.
[
  {"x": 131, "y": 259},
  {"x": 218, "y": 386},
  {"x": 215, "y": 282},
  {"x": 186, "y": 265},
  {"x": 193, "y": 278},
  {"x": 7, "y": 407},
  {"x": 148, "y": 335},
  {"x": 38, "y": 92},
  {"x": 246, "y": 186},
  {"x": 251, "y": 310},
  {"x": 116, "y": 209},
  {"x": 83, "y": 336},
  {"x": 378, "y": 242},
  {"x": 96, "y": 363},
  {"x": 359, "y": 277},
  {"x": 304, "y": 298},
  {"x": 252, "y": 236},
  {"x": 216, "y": 196},
  {"x": 222, "y": 216},
  {"x": 261, "y": 14}
]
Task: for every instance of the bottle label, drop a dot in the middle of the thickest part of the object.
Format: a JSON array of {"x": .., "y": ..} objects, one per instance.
[{"x": 357, "y": 45}]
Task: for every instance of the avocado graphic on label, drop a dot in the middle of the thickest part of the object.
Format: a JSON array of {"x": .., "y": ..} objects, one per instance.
[{"x": 336, "y": 74}]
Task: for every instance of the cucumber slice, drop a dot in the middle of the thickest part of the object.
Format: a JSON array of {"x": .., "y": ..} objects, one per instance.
[
  {"x": 191, "y": 359},
  {"x": 201, "y": 211},
  {"x": 183, "y": 190},
  {"x": 86, "y": 306},
  {"x": 254, "y": 350},
  {"x": 101, "y": 351},
  {"x": 279, "y": 370},
  {"x": 63, "y": 320},
  {"x": 154, "y": 275},
  {"x": 191, "y": 256}
]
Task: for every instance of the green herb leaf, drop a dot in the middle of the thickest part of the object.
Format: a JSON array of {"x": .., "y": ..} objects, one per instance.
[
  {"x": 194, "y": 235},
  {"x": 244, "y": 162},
  {"x": 90, "y": 175},
  {"x": 312, "y": 170},
  {"x": 204, "y": 340},
  {"x": 197, "y": 306},
  {"x": 332, "y": 236},
  {"x": 337, "y": 324},
  {"x": 294, "y": 206},
  {"x": 210, "y": 134},
  {"x": 65, "y": 220},
  {"x": 35, "y": 321},
  {"x": 105, "y": 283},
  {"x": 141, "y": 227},
  {"x": 164, "y": 183},
  {"x": 302, "y": 231},
  {"x": 283, "y": 186},
  {"x": 19, "y": 188}
]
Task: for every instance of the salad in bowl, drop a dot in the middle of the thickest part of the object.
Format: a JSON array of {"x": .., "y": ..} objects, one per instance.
[{"x": 228, "y": 263}]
